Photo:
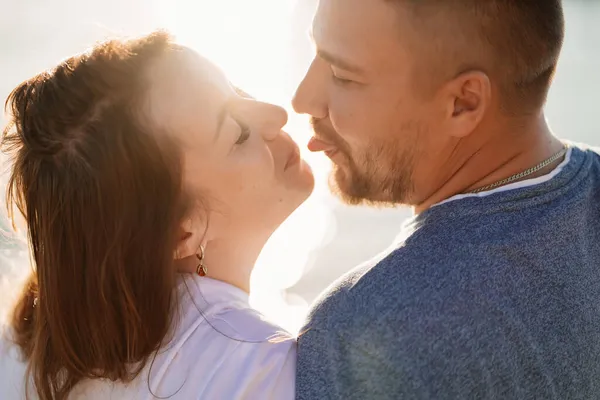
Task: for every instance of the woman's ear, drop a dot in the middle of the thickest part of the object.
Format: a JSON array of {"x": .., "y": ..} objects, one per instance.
[{"x": 191, "y": 234}]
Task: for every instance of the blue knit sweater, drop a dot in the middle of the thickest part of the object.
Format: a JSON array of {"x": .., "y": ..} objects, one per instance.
[{"x": 494, "y": 297}]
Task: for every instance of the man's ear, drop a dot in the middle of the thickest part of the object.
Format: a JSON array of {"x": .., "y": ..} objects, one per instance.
[{"x": 467, "y": 98}]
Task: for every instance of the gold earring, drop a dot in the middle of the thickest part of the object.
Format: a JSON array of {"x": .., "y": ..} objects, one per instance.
[{"x": 201, "y": 269}]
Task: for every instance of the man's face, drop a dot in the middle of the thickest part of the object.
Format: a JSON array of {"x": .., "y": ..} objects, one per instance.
[{"x": 368, "y": 114}]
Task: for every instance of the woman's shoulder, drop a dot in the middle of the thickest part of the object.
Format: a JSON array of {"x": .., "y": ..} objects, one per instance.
[
  {"x": 220, "y": 336},
  {"x": 247, "y": 355},
  {"x": 249, "y": 325},
  {"x": 225, "y": 311}
]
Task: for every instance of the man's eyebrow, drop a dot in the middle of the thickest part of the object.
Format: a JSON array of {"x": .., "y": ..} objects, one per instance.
[
  {"x": 339, "y": 62},
  {"x": 334, "y": 60}
]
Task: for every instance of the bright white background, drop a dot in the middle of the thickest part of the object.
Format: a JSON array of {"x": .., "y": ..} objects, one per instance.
[{"x": 263, "y": 47}]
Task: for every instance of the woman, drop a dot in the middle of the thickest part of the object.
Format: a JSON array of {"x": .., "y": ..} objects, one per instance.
[{"x": 149, "y": 187}]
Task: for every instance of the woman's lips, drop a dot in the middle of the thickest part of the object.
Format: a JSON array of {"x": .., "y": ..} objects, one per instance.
[{"x": 293, "y": 158}]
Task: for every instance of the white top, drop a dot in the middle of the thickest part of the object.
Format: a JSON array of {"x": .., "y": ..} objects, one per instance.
[{"x": 225, "y": 351}]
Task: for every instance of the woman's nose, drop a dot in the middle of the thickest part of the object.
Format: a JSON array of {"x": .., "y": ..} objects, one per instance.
[
  {"x": 263, "y": 118},
  {"x": 273, "y": 118}
]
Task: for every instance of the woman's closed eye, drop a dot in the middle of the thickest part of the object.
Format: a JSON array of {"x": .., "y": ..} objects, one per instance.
[{"x": 244, "y": 133}]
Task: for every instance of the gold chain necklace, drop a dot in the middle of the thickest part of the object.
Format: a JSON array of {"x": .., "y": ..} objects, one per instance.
[{"x": 523, "y": 174}]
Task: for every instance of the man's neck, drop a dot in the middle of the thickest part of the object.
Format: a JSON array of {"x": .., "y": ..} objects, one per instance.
[{"x": 498, "y": 156}]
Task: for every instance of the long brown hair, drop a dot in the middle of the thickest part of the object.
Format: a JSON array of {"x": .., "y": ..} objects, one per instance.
[{"x": 101, "y": 194}]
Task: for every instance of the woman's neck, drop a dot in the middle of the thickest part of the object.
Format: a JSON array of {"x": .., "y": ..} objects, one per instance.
[{"x": 232, "y": 261}]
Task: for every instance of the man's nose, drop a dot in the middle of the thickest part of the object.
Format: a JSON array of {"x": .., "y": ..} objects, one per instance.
[{"x": 311, "y": 95}]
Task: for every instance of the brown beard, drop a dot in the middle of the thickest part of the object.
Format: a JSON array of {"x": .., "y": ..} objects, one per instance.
[{"x": 381, "y": 176}]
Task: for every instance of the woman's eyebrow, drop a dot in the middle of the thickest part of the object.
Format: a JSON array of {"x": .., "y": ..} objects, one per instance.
[
  {"x": 242, "y": 93},
  {"x": 224, "y": 111},
  {"x": 220, "y": 120}
]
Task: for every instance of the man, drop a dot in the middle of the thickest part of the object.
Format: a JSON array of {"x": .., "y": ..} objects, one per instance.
[{"x": 493, "y": 291}]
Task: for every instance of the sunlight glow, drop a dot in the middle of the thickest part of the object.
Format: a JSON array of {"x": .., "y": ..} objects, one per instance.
[{"x": 252, "y": 42}]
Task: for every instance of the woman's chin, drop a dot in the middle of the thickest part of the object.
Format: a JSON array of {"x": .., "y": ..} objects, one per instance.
[
  {"x": 299, "y": 192},
  {"x": 301, "y": 180},
  {"x": 305, "y": 184},
  {"x": 310, "y": 178}
]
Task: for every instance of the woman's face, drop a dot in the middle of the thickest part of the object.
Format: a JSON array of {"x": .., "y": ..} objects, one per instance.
[{"x": 236, "y": 158}]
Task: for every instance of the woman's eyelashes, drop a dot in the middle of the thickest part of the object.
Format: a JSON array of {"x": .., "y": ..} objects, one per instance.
[{"x": 244, "y": 133}]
